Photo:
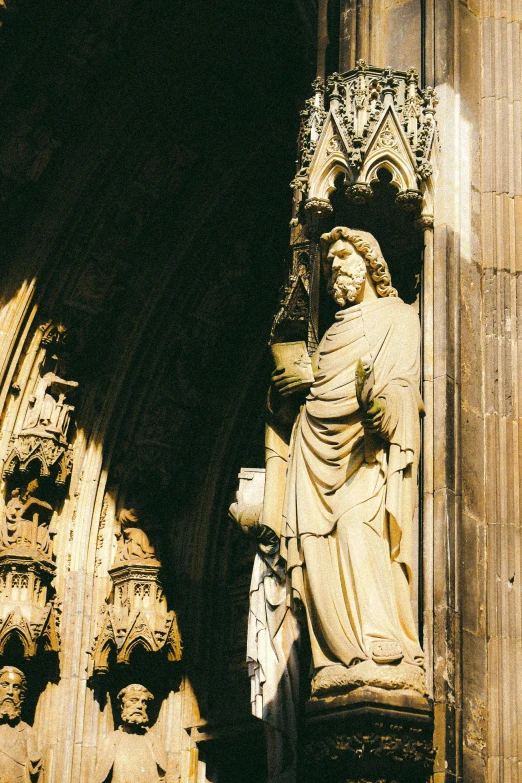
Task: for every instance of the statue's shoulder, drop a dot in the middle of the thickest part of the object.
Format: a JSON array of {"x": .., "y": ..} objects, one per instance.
[{"x": 403, "y": 312}]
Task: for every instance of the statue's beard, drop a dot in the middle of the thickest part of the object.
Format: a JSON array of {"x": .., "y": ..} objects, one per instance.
[
  {"x": 10, "y": 710},
  {"x": 134, "y": 717},
  {"x": 345, "y": 286}
]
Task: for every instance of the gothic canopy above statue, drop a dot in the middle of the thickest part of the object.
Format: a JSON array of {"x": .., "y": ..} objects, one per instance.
[{"x": 377, "y": 119}]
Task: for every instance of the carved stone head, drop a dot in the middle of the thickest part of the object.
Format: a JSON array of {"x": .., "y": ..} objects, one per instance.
[
  {"x": 133, "y": 701},
  {"x": 129, "y": 518},
  {"x": 13, "y": 686},
  {"x": 32, "y": 487},
  {"x": 351, "y": 257}
]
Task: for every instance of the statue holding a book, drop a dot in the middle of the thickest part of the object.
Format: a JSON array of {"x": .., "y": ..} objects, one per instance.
[{"x": 341, "y": 484}]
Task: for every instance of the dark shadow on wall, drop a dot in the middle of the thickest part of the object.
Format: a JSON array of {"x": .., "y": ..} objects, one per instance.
[
  {"x": 154, "y": 215},
  {"x": 400, "y": 240}
]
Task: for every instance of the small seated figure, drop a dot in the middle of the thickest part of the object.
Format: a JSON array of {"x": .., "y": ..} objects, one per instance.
[
  {"x": 26, "y": 521},
  {"x": 20, "y": 761},
  {"x": 132, "y": 753},
  {"x": 49, "y": 414},
  {"x": 133, "y": 542}
]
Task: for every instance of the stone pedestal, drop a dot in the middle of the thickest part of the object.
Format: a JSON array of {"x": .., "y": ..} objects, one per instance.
[
  {"x": 368, "y": 736},
  {"x": 25, "y": 611},
  {"x": 136, "y": 615}
]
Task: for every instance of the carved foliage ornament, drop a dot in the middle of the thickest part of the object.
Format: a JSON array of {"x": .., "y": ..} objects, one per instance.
[{"x": 373, "y": 748}]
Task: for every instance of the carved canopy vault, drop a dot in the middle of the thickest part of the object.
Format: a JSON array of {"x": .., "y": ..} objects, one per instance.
[
  {"x": 376, "y": 118},
  {"x": 367, "y": 125}
]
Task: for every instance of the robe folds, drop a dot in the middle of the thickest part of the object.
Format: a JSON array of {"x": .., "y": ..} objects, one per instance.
[
  {"x": 351, "y": 495},
  {"x": 131, "y": 758},
  {"x": 20, "y": 761}
]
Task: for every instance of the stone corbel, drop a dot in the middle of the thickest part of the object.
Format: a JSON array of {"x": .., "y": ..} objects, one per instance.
[{"x": 359, "y": 739}]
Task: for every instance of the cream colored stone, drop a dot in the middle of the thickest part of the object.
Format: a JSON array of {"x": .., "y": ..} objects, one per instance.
[
  {"x": 133, "y": 542},
  {"x": 248, "y": 505},
  {"x": 26, "y": 522},
  {"x": 273, "y": 634},
  {"x": 20, "y": 761},
  {"x": 377, "y": 118},
  {"x": 136, "y": 612},
  {"x": 132, "y": 754},
  {"x": 49, "y": 415},
  {"x": 338, "y": 679},
  {"x": 352, "y": 476}
]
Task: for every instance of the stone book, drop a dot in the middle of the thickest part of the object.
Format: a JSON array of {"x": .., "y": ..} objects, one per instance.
[{"x": 294, "y": 358}]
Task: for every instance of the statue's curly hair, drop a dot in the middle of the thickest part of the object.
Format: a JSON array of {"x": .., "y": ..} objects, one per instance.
[
  {"x": 14, "y": 670},
  {"x": 368, "y": 247}
]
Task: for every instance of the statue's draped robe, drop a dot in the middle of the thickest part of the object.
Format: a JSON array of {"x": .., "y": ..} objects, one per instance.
[
  {"x": 131, "y": 758},
  {"x": 351, "y": 496},
  {"x": 20, "y": 761},
  {"x": 272, "y": 655}
]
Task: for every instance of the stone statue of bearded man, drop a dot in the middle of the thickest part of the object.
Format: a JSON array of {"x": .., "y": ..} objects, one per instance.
[
  {"x": 346, "y": 511},
  {"x": 20, "y": 761},
  {"x": 132, "y": 753}
]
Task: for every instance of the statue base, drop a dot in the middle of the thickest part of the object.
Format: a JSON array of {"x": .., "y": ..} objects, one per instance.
[
  {"x": 370, "y": 735},
  {"x": 338, "y": 679}
]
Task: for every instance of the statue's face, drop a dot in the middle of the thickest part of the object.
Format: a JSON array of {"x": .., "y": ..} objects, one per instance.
[
  {"x": 345, "y": 270},
  {"x": 134, "y": 707},
  {"x": 11, "y": 695}
]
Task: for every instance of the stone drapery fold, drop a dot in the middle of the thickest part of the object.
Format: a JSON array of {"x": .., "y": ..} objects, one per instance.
[{"x": 350, "y": 495}]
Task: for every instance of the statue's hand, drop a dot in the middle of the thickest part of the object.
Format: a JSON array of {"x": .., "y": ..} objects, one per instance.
[
  {"x": 287, "y": 382},
  {"x": 267, "y": 539},
  {"x": 373, "y": 417}
]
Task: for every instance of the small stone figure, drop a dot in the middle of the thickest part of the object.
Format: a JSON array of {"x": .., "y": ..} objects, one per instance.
[
  {"x": 26, "y": 521},
  {"x": 49, "y": 414},
  {"x": 133, "y": 542},
  {"x": 132, "y": 754},
  {"x": 20, "y": 761}
]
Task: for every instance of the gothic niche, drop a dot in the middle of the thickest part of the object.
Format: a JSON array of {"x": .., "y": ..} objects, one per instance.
[
  {"x": 27, "y": 606},
  {"x": 367, "y": 150},
  {"x": 136, "y": 613}
]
